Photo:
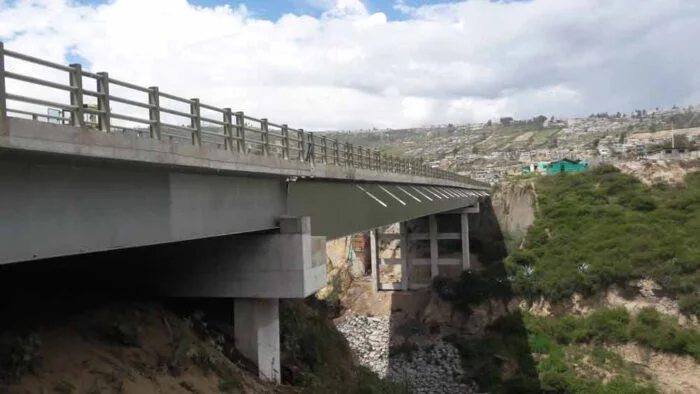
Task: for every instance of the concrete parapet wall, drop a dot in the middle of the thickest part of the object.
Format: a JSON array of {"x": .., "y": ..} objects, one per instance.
[{"x": 47, "y": 138}]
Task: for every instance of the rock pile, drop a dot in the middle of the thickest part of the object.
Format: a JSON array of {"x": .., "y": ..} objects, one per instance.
[
  {"x": 432, "y": 368},
  {"x": 369, "y": 339}
]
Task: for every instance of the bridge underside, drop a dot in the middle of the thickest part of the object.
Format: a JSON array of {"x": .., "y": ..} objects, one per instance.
[{"x": 337, "y": 209}]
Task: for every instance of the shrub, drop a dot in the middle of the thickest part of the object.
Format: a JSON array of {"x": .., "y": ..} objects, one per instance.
[
  {"x": 690, "y": 304},
  {"x": 608, "y": 325},
  {"x": 658, "y": 332}
]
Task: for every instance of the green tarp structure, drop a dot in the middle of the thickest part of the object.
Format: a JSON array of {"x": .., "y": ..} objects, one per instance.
[{"x": 567, "y": 165}]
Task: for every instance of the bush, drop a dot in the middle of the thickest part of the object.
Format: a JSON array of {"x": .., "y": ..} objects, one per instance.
[
  {"x": 658, "y": 332},
  {"x": 690, "y": 304},
  {"x": 608, "y": 325}
]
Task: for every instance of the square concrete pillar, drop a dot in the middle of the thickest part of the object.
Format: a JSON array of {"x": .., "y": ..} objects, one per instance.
[
  {"x": 403, "y": 231},
  {"x": 466, "y": 264},
  {"x": 257, "y": 332},
  {"x": 373, "y": 259},
  {"x": 433, "y": 234}
]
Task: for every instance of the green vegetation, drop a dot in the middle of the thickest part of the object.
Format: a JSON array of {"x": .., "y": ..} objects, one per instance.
[
  {"x": 601, "y": 228},
  {"x": 613, "y": 326}
]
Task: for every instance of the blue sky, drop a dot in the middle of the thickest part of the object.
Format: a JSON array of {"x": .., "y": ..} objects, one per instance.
[
  {"x": 467, "y": 61},
  {"x": 273, "y": 9}
]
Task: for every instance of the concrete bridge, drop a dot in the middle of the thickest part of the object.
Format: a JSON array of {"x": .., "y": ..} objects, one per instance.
[{"x": 241, "y": 206}]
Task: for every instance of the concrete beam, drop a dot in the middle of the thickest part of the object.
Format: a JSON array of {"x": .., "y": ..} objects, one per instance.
[{"x": 54, "y": 208}]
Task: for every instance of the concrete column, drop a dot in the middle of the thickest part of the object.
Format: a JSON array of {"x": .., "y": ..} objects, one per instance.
[
  {"x": 373, "y": 259},
  {"x": 257, "y": 332},
  {"x": 403, "y": 231},
  {"x": 432, "y": 222},
  {"x": 466, "y": 264}
]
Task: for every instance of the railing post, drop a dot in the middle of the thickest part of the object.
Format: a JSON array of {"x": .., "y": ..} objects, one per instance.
[
  {"x": 240, "y": 133},
  {"x": 76, "y": 95},
  {"x": 264, "y": 137},
  {"x": 351, "y": 155},
  {"x": 195, "y": 122},
  {"x": 154, "y": 112},
  {"x": 285, "y": 141},
  {"x": 311, "y": 150},
  {"x": 104, "y": 121},
  {"x": 228, "y": 129},
  {"x": 302, "y": 144},
  {"x": 324, "y": 143},
  {"x": 359, "y": 156},
  {"x": 336, "y": 152},
  {"x": 3, "y": 92}
]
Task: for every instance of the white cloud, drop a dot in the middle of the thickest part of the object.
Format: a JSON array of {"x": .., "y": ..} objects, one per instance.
[{"x": 349, "y": 68}]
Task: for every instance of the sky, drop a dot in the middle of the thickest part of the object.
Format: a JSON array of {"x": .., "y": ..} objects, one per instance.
[{"x": 349, "y": 64}]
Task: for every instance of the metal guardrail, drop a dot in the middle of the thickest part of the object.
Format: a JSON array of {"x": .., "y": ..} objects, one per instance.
[{"x": 233, "y": 131}]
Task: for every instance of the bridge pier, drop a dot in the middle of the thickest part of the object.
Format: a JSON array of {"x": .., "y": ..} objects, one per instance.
[
  {"x": 428, "y": 246},
  {"x": 257, "y": 333}
]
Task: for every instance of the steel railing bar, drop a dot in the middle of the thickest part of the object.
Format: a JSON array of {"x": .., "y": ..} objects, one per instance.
[{"x": 37, "y": 81}]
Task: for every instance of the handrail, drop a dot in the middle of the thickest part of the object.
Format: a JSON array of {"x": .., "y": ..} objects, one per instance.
[{"x": 270, "y": 139}]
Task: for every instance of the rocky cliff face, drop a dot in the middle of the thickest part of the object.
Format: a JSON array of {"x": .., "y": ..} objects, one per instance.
[{"x": 514, "y": 204}]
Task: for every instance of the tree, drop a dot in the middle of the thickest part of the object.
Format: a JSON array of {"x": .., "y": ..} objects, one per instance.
[
  {"x": 539, "y": 120},
  {"x": 506, "y": 121},
  {"x": 488, "y": 124}
]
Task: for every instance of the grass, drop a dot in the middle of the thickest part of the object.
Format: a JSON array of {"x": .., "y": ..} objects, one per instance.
[{"x": 603, "y": 227}]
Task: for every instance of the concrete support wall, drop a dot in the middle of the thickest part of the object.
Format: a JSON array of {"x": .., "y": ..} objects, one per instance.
[{"x": 257, "y": 332}]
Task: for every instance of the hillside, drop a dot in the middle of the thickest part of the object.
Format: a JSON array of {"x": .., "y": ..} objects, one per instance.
[
  {"x": 608, "y": 281},
  {"x": 168, "y": 346}
]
